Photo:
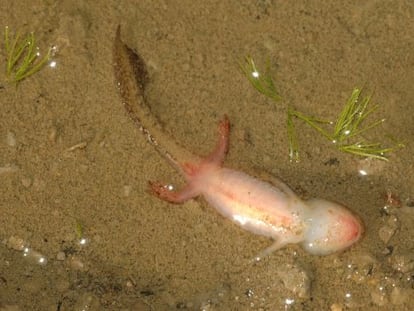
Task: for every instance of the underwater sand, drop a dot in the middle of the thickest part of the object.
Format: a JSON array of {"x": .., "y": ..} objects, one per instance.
[{"x": 78, "y": 230}]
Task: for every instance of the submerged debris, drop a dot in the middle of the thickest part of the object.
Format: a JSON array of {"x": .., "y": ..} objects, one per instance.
[{"x": 18, "y": 244}]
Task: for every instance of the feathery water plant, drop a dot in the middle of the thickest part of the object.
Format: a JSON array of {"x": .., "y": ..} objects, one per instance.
[
  {"x": 22, "y": 56},
  {"x": 347, "y": 130},
  {"x": 261, "y": 82},
  {"x": 346, "y": 133}
]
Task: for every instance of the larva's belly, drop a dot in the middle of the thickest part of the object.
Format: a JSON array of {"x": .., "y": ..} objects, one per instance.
[{"x": 255, "y": 205}]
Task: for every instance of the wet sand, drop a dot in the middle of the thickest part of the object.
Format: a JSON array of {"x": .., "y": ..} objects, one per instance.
[{"x": 78, "y": 228}]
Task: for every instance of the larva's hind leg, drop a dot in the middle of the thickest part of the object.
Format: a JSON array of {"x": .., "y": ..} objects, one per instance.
[{"x": 164, "y": 192}]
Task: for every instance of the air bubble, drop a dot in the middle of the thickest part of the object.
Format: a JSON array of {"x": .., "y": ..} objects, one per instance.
[{"x": 34, "y": 256}]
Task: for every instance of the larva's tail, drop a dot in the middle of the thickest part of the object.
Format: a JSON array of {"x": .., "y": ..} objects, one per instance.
[{"x": 131, "y": 78}]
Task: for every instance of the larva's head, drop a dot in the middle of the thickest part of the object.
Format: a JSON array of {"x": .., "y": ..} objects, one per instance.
[{"x": 330, "y": 228}]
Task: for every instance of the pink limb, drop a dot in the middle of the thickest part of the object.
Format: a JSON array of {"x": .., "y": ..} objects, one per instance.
[
  {"x": 222, "y": 145},
  {"x": 194, "y": 172},
  {"x": 164, "y": 193}
]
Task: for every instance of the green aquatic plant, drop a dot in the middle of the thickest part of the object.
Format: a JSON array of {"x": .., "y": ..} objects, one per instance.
[
  {"x": 348, "y": 128},
  {"x": 292, "y": 138},
  {"x": 22, "y": 56},
  {"x": 261, "y": 82},
  {"x": 79, "y": 229}
]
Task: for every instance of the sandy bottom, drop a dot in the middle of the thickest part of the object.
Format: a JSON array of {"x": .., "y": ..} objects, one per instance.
[{"x": 79, "y": 231}]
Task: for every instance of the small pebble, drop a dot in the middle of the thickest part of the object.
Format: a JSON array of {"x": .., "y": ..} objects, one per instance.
[
  {"x": 370, "y": 166},
  {"x": 26, "y": 182},
  {"x": 336, "y": 307},
  {"x": 295, "y": 279},
  {"x": 16, "y": 243},
  {"x": 387, "y": 231},
  {"x": 61, "y": 256},
  {"x": 75, "y": 263},
  {"x": 11, "y": 139},
  {"x": 127, "y": 190}
]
